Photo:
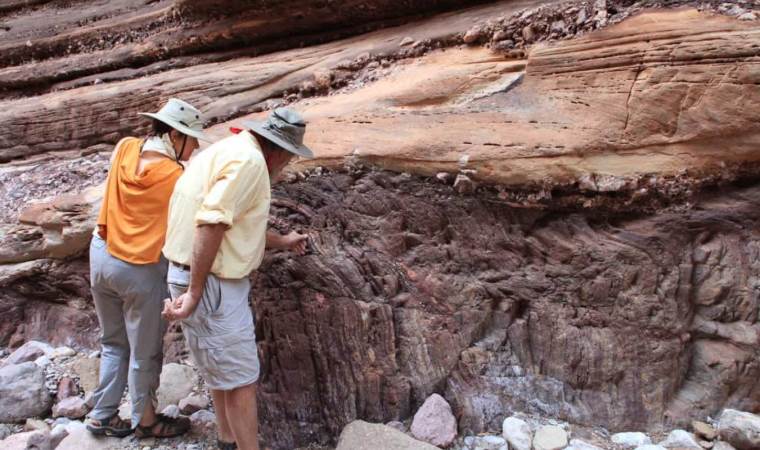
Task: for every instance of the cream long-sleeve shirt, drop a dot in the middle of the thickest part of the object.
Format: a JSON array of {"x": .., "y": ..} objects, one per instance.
[{"x": 226, "y": 183}]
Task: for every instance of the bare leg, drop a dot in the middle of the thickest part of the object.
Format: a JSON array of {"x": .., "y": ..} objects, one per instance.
[
  {"x": 225, "y": 432},
  {"x": 149, "y": 415},
  {"x": 242, "y": 415}
]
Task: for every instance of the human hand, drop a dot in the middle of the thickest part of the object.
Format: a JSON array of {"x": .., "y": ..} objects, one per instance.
[
  {"x": 296, "y": 242},
  {"x": 180, "y": 308}
]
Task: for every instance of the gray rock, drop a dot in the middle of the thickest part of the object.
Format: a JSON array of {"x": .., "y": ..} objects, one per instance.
[
  {"x": 559, "y": 27},
  {"x": 57, "y": 435},
  {"x": 88, "y": 372},
  {"x": 704, "y": 430},
  {"x": 485, "y": 443},
  {"x": 550, "y": 437},
  {"x": 720, "y": 445},
  {"x": 396, "y": 425},
  {"x": 464, "y": 185},
  {"x": 63, "y": 352},
  {"x": 5, "y": 431},
  {"x": 577, "y": 444},
  {"x": 177, "y": 382},
  {"x": 202, "y": 422},
  {"x": 27, "y": 440},
  {"x": 193, "y": 403},
  {"x": 23, "y": 392},
  {"x": 43, "y": 361},
  {"x": 740, "y": 429},
  {"x": 748, "y": 16},
  {"x": 650, "y": 447},
  {"x": 30, "y": 351},
  {"x": 517, "y": 433},
  {"x": 631, "y": 439},
  {"x": 36, "y": 425},
  {"x": 359, "y": 435},
  {"x": 681, "y": 439},
  {"x": 172, "y": 411},
  {"x": 71, "y": 407},
  {"x": 78, "y": 438},
  {"x": 434, "y": 422}
]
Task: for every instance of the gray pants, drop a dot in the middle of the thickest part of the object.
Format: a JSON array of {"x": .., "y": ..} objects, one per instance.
[
  {"x": 129, "y": 300},
  {"x": 220, "y": 332}
]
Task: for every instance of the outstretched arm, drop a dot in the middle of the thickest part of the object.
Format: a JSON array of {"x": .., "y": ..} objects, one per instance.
[{"x": 292, "y": 241}]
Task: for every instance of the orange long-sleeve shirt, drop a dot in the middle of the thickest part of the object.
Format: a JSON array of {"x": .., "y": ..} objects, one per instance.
[{"x": 135, "y": 206}]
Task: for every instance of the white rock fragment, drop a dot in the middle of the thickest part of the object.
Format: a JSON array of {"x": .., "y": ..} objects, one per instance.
[
  {"x": 517, "y": 433},
  {"x": 631, "y": 439}
]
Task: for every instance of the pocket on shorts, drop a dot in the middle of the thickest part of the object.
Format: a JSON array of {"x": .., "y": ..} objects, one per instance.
[
  {"x": 225, "y": 340},
  {"x": 178, "y": 280}
]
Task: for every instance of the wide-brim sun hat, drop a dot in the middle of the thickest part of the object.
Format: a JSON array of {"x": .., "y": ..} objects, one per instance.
[
  {"x": 286, "y": 129},
  {"x": 181, "y": 116}
]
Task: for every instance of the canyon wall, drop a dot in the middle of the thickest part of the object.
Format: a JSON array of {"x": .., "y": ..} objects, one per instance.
[{"x": 547, "y": 207}]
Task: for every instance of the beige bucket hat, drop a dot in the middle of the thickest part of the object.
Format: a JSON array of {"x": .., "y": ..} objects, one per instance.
[
  {"x": 284, "y": 127},
  {"x": 181, "y": 116}
]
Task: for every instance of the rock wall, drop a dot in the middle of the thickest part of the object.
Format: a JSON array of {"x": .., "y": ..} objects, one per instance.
[{"x": 518, "y": 214}]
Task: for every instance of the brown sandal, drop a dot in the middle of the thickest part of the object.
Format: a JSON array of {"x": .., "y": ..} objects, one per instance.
[
  {"x": 164, "y": 427},
  {"x": 113, "y": 426},
  {"x": 226, "y": 445}
]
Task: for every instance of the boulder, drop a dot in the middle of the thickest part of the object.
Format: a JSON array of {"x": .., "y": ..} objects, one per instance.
[
  {"x": 88, "y": 371},
  {"x": 57, "y": 435},
  {"x": 359, "y": 435},
  {"x": 78, "y": 438},
  {"x": 682, "y": 440},
  {"x": 720, "y": 445},
  {"x": 550, "y": 437},
  {"x": 63, "y": 352},
  {"x": 30, "y": 351},
  {"x": 631, "y": 439},
  {"x": 36, "y": 440},
  {"x": 704, "y": 430},
  {"x": 650, "y": 447},
  {"x": 434, "y": 422},
  {"x": 22, "y": 392},
  {"x": 193, "y": 403},
  {"x": 177, "y": 382},
  {"x": 740, "y": 429},
  {"x": 71, "y": 407},
  {"x": 517, "y": 433}
]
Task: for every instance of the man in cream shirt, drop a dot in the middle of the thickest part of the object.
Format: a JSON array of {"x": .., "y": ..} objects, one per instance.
[{"x": 216, "y": 237}]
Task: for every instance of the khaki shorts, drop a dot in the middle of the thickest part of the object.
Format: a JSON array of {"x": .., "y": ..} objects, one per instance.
[{"x": 220, "y": 332}]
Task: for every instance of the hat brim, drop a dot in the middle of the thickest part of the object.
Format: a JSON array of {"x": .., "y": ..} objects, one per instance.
[
  {"x": 179, "y": 127},
  {"x": 299, "y": 150}
]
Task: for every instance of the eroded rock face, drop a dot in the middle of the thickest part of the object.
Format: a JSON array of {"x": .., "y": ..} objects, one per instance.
[{"x": 594, "y": 283}]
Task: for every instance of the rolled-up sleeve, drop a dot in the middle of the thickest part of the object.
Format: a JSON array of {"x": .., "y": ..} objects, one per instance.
[{"x": 230, "y": 193}]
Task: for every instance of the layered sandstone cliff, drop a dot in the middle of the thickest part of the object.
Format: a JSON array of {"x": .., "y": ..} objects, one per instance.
[{"x": 558, "y": 217}]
